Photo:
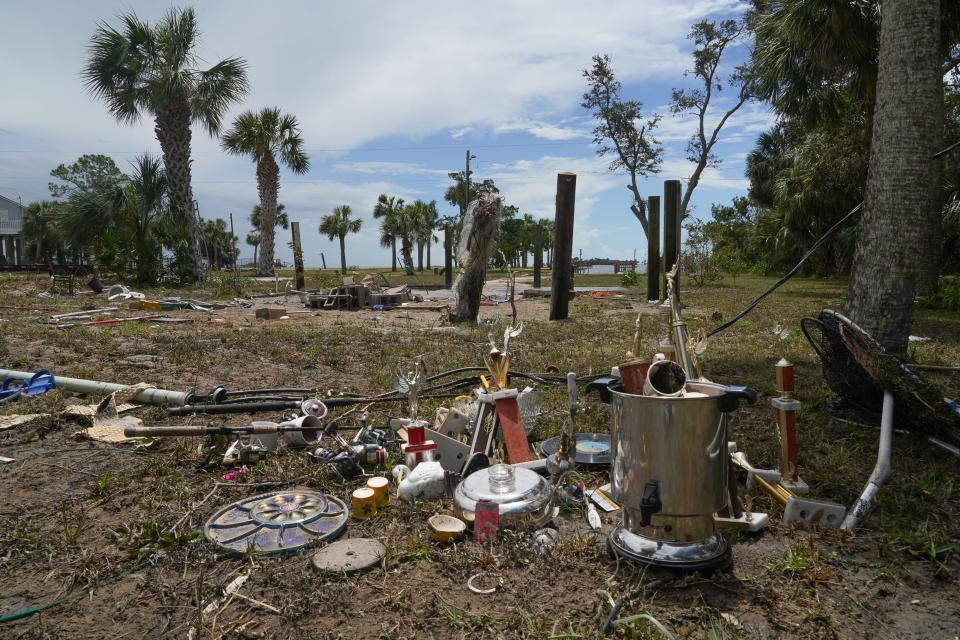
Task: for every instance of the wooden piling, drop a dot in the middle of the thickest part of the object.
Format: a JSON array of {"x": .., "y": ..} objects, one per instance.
[
  {"x": 537, "y": 255},
  {"x": 297, "y": 255},
  {"x": 671, "y": 226},
  {"x": 653, "y": 248},
  {"x": 447, "y": 258},
  {"x": 562, "y": 274}
]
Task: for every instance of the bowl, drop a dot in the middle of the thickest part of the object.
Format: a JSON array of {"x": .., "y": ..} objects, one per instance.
[{"x": 446, "y": 528}]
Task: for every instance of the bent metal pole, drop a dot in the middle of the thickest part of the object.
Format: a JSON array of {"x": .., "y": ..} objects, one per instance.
[{"x": 78, "y": 385}]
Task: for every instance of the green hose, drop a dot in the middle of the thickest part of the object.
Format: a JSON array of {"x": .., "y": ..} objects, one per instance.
[{"x": 26, "y": 613}]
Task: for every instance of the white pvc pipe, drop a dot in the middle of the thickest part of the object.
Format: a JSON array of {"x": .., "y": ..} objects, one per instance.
[
  {"x": 78, "y": 385},
  {"x": 881, "y": 471}
]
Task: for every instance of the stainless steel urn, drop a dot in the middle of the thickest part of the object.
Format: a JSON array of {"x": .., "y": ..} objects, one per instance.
[{"x": 669, "y": 473}]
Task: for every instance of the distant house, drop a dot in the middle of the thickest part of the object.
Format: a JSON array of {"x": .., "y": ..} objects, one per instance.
[{"x": 11, "y": 231}]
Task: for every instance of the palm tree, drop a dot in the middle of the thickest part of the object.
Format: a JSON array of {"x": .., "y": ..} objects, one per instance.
[
  {"x": 138, "y": 68},
  {"x": 425, "y": 218},
  {"x": 253, "y": 239},
  {"x": 40, "y": 228},
  {"x": 337, "y": 225},
  {"x": 265, "y": 136},
  {"x": 387, "y": 207},
  {"x": 283, "y": 220},
  {"x": 126, "y": 223},
  {"x": 401, "y": 225}
]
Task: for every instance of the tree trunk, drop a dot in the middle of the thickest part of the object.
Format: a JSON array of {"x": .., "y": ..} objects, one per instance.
[
  {"x": 406, "y": 249},
  {"x": 256, "y": 248},
  {"x": 900, "y": 226},
  {"x": 477, "y": 239},
  {"x": 343, "y": 254},
  {"x": 429, "y": 244},
  {"x": 420, "y": 255},
  {"x": 268, "y": 184},
  {"x": 172, "y": 127},
  {"x": 393, "y": 254}
]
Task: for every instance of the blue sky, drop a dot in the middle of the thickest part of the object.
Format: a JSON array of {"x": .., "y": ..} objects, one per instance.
[{"x": 390, "y": 96}]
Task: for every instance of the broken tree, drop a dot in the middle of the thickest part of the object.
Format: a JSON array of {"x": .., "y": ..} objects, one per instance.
[{"x": 481, "y": 225}]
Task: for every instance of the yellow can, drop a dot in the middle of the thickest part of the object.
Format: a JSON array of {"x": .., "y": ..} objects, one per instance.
[
  {"x": 364, "y": 502},
  {"x": 380, "y": 487}
]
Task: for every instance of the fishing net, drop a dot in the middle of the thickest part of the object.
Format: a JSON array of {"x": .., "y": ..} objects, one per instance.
[{"x": 858, "y": 369}]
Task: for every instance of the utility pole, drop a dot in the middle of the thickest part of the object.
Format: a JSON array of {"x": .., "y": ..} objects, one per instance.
[{"x": 233, "y": 244}]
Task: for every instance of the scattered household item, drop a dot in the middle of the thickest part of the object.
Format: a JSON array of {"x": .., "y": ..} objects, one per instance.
[
  {"x": 417, "y": 449},
  {"x": 303, "y": 431},
  {"x": 313, "y": 407},
  {"x": 381, "y": 490},
  {"x": 364, "y": 503},
  {"x": 109, "y": 423},
  {"x": 796, "y": 509},
  {"x": 270, "y": 313},
  {"x": 446, "y": 528},
  {"x": 9, "y": 422},
  {"x": 859, "y": 370},
  {"x": 633, "y": 375},
  {"x": 476, "y": 583},
  {"x": 427, "y": 481},
  {"x": 486, "y": 521},
  {"x": 281, "y": 522},
  {"x": 786, "y": 408},
  {"x": 120, "y": 292},
  {"x": 349, "y": 556},
  {"x": 148, "y": 395},
  {"x": 669, "y": 473},
  {"x": 523, "y": 497},
  {"x": 16, "y": 387},
  {"x": 558, "y": 460},
  {"x": 588, "y": 449}
]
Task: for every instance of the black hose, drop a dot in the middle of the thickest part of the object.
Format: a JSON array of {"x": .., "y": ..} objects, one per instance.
[
  {"x": 776, "y": 285},
  {"x": 615, "y": 610},
  {"x": 816, "y": 245}
]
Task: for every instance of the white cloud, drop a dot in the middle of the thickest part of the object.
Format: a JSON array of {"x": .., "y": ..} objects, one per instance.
[
  {"x": 389, "y": 168},
  {"x": 457, "y": 134}
]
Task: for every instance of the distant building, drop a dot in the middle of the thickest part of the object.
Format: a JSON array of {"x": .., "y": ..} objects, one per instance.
[{"x": 11, "y": 231}]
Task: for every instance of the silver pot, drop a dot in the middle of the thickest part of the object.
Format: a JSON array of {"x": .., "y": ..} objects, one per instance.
[
  {"x": 669, "y": 472},
  {"x": 524, "y": 498}
]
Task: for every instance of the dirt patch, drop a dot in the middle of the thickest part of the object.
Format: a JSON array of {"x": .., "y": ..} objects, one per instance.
[{"x": 97, "y": 521}]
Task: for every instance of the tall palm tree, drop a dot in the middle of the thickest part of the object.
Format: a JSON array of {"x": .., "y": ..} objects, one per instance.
[
  {"x": 401, "y": 225},
  {"x": 265, "y": 137},
  {"x": 337, "y": 225},
  {"x": 40, "y": 228},
  {"x": 140, "y": 68},
  {"x": 428, "y": 219},
  {"x": 387, "y": 207},
  {"x": 253, "y": 239}
]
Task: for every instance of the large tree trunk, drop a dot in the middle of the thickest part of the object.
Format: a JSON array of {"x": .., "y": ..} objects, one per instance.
[
  {"x": 420, "y": 255},
  {"x": 477, "y": 240},
  {"x": 899, "y": 230},
  {"x": 268, "y": 184},
  {"x": 393, "y": 254},
  {"x": 429, "y": 244},
  {"x": 343, "y": 254},
  {"x": 172, "y": 127},
  {"x": 406, "y": 250}
]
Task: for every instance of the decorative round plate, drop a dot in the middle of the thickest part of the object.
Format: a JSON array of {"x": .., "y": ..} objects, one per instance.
[
  {"x": 589, "y": 448},
  {"x": 282, "y": 522}
]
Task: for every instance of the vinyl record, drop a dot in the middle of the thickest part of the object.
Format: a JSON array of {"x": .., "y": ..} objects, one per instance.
[{"x": 589, "y": 448}]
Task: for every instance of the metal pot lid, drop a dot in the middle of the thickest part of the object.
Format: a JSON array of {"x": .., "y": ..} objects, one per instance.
[{"x": 515, "y": 489}]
